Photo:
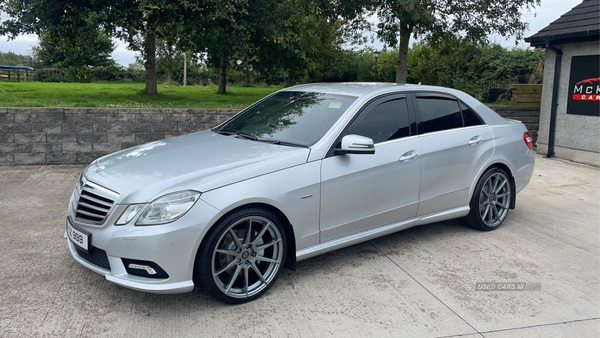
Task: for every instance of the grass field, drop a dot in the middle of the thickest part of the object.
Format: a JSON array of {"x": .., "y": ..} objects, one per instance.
[{"x": 126, "y": 95}]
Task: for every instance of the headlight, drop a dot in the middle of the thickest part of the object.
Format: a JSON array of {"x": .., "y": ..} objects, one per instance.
[
  {"x": 129, "y": 213},
  {"x": 168, "y": 208}
]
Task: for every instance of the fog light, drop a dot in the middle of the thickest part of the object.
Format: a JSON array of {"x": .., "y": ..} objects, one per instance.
[{"x": 148, "y": 269}]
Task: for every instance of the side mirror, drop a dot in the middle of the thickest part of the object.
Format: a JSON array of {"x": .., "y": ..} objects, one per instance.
[{"x": 356, "y": 144}]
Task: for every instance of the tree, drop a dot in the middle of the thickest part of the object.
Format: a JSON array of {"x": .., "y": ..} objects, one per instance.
[
  {"x": 435, "y": 19},
  {"x": 139, "y": 22},
  {"x": 468, "y": 66},
  {"x": 229, "y": 27},
  {"x": 166, "y": 53},
  {"x": 273, "y": 37},
  {"x": 91, "y": 47},
  {"x": 12, "y": 59},
  {"x": 308, "y": 36}
]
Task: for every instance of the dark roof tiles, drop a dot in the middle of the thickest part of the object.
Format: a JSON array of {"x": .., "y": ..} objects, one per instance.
[{"x": 581, "y": 22}]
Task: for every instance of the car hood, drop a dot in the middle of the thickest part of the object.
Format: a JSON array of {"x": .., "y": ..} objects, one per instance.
[{"x": 200, "y": 161}]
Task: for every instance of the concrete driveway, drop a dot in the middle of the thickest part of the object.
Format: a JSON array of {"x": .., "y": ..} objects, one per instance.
[{"x": 417, "y": 283}]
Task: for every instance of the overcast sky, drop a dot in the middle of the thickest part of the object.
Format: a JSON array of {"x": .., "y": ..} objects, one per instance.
[{"x": 549, "y": 11}]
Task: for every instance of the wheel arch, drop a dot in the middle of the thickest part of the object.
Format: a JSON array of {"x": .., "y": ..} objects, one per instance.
[
  {"x": 511, "y": 179},
  {"x": 290, "y": 254}
]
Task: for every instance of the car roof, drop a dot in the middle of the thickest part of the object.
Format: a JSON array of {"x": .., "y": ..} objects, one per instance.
[
  {"x": 357, "y": 89},
  {"x": 367, "y": 90},
  {"x": 361, "y": 89}
]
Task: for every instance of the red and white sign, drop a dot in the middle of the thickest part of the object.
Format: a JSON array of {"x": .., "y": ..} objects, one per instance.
[
  {"x": 588, "y": 89},
  {"x": 584, "y": 97},
  {"x": 584, "y": 86}
]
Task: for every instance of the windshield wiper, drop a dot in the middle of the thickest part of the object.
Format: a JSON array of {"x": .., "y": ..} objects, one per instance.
[
  {"x": 237, "y": 133},
  {"x": 279, "y": 142},
  {"x": 261, "y": 139},
  {"x": 246, "y": 136},
  {"x": 226, "y": 133},
  {"x": 291, "y": 144}
]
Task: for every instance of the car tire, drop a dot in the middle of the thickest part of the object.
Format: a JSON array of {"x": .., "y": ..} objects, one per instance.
[
  {"x": 492, "y": 97},
  {"x": 491, "y": 201},
  {"x": 497, "y": 90},
  {"x": 241, "y": 256}
]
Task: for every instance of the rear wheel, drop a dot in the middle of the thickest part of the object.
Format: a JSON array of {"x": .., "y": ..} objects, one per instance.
[
  {"x": 241, "y": 256},
  {"x": 491, "y": 200}
]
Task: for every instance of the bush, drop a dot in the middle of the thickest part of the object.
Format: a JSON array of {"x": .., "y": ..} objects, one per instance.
[
  {"x": 116, "y": 73},
  {"x": 112, "y": 73},
  {"x": 472, "y": 68}
]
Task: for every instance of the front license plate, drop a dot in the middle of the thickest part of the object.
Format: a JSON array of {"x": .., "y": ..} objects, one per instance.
[{"x": 80, "y": 238}]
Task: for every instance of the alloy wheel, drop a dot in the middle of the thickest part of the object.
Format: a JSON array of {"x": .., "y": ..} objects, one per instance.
[
  {"x": 247, "y": 257},
  {"x": 494, "y": 199}
]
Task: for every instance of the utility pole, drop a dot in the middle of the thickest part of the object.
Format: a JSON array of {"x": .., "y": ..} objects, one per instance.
[
  {"x": 184, "y": 70},
  {"x": 376, "y": 55}
]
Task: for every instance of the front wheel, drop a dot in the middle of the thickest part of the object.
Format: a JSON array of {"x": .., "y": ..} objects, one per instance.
[
  {"x": 241, "y": 256},
  {"x": 491, "y": 201}
]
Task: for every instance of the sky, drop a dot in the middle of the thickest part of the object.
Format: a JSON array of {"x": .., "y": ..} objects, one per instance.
[{"x": 548, "y": 11}]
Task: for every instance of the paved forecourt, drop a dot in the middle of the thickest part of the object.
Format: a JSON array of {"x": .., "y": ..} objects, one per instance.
[{"x": 536, "y": 276}]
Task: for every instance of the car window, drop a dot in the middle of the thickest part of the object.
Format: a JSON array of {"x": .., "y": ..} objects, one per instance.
[
  {"x": 383, "y": 121},
  {"x": 469, "y": 116},
  {"x": 439, "y": 114},
  {"x": 295, "y": 117}
]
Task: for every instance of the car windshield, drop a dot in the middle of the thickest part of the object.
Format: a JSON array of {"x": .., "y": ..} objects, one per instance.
[{"x": 292, "y": 118}]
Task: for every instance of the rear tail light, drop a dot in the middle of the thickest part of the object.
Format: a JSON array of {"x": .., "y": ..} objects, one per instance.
[{"x": 528, "y": 140}]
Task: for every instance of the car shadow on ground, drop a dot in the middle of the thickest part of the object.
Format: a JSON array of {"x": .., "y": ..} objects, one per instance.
[{"x": 343, "y": 262}]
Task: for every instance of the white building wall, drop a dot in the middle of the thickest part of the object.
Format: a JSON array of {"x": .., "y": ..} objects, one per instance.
[{"x": 577, "y": 137}]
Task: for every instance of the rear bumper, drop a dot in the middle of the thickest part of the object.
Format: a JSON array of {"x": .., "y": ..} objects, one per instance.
[{"x": 524, "y": 170}]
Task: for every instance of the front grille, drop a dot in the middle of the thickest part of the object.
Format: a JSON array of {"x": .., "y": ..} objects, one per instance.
[
  {"x": 96, "y": 256},
  {"x": 94, "y": 203}
]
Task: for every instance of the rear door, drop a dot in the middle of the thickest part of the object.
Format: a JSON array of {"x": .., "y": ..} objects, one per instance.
[
  {"x": 363, "y": 191},
  {"x": 455, "y": 144}
]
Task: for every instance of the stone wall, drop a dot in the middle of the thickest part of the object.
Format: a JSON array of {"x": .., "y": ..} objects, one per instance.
[{"x": 80, "y": 135}]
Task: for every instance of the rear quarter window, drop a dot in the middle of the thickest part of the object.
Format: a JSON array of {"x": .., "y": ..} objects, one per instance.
[{"x": 469, "y": 116}]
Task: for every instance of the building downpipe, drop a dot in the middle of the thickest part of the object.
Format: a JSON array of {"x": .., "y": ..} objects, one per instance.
[{"x": 553, "y": 108}]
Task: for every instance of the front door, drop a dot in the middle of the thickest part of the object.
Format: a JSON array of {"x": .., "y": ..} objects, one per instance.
[{"x": 364, "y": 191}]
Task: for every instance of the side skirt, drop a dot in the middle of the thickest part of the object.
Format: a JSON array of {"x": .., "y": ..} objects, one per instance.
[{"x": 366, "y": 235}]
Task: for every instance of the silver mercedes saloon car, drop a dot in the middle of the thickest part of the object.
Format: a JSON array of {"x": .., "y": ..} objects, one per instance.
[{"x": 306, "y": 170}]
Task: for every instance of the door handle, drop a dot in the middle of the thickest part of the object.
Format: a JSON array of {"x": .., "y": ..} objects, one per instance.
[
  {"x": 409, "y": 156},
  {"x": 475, "y": 140}
]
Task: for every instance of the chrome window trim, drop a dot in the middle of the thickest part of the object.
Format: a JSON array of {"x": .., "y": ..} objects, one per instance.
[
  {"x": 453, "y": 129},
  {"x": 396, "y": 140}
]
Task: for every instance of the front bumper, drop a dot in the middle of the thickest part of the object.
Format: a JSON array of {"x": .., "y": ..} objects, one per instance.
[{"x": 171, "y": 246}]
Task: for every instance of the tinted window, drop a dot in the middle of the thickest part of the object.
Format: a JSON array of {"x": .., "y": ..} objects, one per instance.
[
  {"x": 439, "y": 114},
  {"x": 383, "y": 121},
  {"x": 470, "y": 117}
]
